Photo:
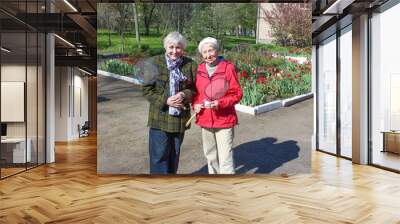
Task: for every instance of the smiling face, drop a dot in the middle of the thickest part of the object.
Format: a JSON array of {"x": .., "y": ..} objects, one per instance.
[
  {"x": 174, "y": 51},
  {"x": 209, "y": 54}
]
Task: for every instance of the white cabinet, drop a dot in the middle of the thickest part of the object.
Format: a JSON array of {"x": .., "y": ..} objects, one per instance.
[{"x": 18, "y": 149}]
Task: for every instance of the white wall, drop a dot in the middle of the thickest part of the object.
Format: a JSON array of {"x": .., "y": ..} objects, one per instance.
[
  {"x": 62, "y": 80},
  {"x": 12, "y": 73},
  {"x": 70, "y": 83},
  {"x": 80, "y": 83}
]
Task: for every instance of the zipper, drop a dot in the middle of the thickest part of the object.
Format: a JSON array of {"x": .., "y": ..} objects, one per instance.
[
  {"x": 211, "y": 110},
  {"x": 209, "y": 81}
]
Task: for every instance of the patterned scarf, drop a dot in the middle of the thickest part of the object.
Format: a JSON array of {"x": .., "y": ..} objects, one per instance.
[{"x": 175, "y": 77}]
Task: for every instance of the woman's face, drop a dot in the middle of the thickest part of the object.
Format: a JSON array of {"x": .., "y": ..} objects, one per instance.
[
  {"x": 174, "y": 51},
  {"x": 209, "y": 54}
]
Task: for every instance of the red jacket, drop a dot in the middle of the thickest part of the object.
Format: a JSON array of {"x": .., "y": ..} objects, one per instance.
[{"x": 225, "y": 115}]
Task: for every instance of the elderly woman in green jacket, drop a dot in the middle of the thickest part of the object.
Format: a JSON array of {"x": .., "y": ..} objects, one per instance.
[{"x": 169, "y": 93}]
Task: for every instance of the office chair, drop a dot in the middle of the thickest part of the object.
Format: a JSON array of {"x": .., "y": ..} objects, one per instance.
[{"x": 84, "y": 130}]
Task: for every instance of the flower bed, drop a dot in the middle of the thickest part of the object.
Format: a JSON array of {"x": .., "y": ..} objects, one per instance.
[
  {"x": 265, "y": 76},
  {"x": 272, "y": 83}
]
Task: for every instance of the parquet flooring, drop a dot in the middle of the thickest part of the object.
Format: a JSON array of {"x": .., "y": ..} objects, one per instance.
[{"x": 70, "y": 191}]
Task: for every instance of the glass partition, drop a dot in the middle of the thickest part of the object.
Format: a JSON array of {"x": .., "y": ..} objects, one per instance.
[
  {"x": 385, "y": 89},
  {"x": 14, "y": 153},
  {"x": 22, "y": 67},
  {"x": 346, "y": 92},
  {"x": 327, "y": 95}
]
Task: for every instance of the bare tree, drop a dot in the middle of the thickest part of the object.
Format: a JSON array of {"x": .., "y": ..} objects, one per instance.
[
  {"x": 147, "y": 12},
  {"x": 105, "y": 19},
  {"x": 291, "y": 23},
  {"x": 122, "y": 19}
]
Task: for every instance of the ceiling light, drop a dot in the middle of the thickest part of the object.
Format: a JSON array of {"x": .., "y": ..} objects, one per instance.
[
  {"x": 86, "y": 72},
  {"x": 338, "y": 6},
  {"x": 64, "y": 40},
  {"x": 5, "y": 49},
  {"x": 70, "y": 5}
]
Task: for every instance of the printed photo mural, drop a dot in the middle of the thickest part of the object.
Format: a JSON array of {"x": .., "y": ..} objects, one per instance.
[{"x": 204, "y": 88}]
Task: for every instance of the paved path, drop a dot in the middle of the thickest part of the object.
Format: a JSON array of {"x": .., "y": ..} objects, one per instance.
[{"x": 275, "y": 142}]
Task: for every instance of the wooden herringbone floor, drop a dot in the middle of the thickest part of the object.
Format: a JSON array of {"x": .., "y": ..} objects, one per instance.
[{"x": 69, "y": 191}]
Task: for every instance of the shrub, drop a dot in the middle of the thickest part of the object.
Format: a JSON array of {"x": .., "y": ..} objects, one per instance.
[
  {"x": 155, "y": 51},
  {"x": 118, "y": 67},
  {"x": 144, "y": 47},
  {"x": 136, "y": 53}
]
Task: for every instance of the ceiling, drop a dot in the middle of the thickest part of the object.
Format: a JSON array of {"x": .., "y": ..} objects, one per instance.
[
  {"x": 74, "y": 21},
  {"x": 330, "y": 15}
]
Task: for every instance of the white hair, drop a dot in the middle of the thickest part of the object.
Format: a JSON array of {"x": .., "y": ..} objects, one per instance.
[
  {"x": 210, "y": 41},
  {"x": 175, "y": 38}
]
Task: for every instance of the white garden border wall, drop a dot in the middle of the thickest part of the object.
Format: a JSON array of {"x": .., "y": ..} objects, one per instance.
[
  {"x": 272, "y": 105},
  {"x": 241, "y": 108},
  {"x": 120, "y": 77}
]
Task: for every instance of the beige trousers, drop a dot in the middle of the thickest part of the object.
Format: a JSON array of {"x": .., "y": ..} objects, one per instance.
[{"x": 217, "y": 147}]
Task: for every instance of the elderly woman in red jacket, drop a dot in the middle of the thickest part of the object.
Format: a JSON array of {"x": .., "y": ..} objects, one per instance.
[{"x": 217, "y": 118}]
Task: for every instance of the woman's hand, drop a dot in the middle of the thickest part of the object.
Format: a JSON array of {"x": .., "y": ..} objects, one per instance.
[
  {"x": 198, "y": 107},
  {"x": 213, "y": 104},
  {"x": 176, "y": 100},
  {"x": 180, "y": 96}
]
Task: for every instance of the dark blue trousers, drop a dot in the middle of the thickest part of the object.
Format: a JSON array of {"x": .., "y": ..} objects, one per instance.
[{"x": 164, "y": 150}]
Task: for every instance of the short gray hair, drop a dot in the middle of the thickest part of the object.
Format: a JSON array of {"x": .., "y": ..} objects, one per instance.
[
  {"x": 175, "y": 38},
  {"x": 210, "y": 41}
]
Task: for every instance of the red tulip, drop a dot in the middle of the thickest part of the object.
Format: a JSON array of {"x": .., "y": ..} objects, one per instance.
[
  {"x": 261, "y": 79},
  {"x": 244, "y": 74}
]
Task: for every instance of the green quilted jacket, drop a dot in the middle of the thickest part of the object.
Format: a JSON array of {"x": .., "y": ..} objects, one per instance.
[{"x": 156, "y": 91}]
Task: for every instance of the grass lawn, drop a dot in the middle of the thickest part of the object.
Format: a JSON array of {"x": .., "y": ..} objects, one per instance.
[
  {"x": 154, "y": 46},
  {"x": 154, "y": 43}
]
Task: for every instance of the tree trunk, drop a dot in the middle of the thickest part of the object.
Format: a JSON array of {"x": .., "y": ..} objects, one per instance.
[
  {"x": 147, "y": 27},
  {"x": 179, "y": 22},
  {"x": 109, "y": 38},
  {"x": 121, "y": 35},
  {"x": 136, "y": 25}
]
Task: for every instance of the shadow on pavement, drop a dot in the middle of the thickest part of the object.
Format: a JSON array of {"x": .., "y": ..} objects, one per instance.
[
  {"x": 261, "y": 156},
  {"x": 102, "y": 99}
]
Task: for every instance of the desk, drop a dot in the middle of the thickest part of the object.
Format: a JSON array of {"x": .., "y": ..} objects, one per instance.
[
  {"x": 16, "y": 147},
  {"x": 391, "y": 141}
]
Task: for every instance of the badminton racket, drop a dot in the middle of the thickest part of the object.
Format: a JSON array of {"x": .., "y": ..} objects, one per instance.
[{"x": 216, "y": 89}]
